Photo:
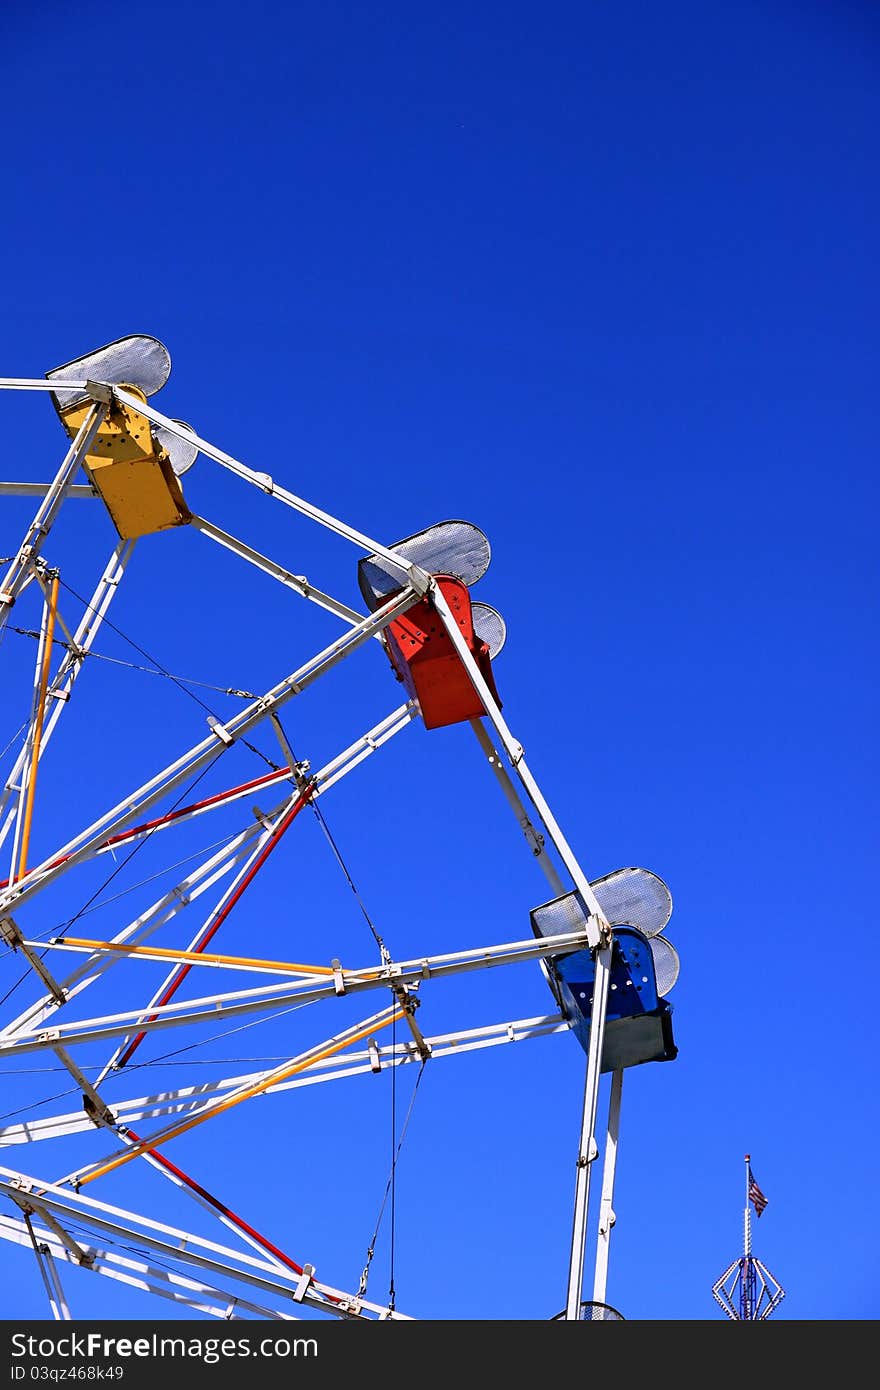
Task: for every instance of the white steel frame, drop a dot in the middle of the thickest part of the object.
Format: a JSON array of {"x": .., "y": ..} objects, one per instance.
[{"x": 27, "y": 1033}]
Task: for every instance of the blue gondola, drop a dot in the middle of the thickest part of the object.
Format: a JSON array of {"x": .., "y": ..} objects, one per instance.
[{"x": 638, "y": 1022}]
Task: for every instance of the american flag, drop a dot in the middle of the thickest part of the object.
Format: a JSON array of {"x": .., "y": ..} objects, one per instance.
[{"x": 756, "y": 1196}]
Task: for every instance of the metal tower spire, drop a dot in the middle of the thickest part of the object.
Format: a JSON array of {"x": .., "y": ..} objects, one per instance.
[{"x": 747, "y": 1291}]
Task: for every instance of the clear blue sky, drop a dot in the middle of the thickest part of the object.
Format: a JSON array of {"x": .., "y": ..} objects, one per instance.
[{"x": 603, "y": 280}]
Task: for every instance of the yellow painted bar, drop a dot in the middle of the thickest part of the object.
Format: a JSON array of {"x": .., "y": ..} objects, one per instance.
[
  {"x": 38, "y": 727},
  {"x": 150, "y": 1146},
  {"x": 198, "y": 957}
]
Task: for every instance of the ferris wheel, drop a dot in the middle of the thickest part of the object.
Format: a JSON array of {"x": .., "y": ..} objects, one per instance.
[{"x": 179, "y": 855}]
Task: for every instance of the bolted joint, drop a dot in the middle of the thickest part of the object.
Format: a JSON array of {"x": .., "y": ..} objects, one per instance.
[
  {"x": 305, "y": 1280},
  {"x": 220, "y": 731},
  {"x": 599, "y": 933},
  {"x": 99, "y": 1115},
  {"x": 535, "y": 839},
  {"x": 584, "y": 1160},
  {"x": 100, "y": 391},
  {"x": 9, "y": 933},
  {"x": 419, "y": 579}
]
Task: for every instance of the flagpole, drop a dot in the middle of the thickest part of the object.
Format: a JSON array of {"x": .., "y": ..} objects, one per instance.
[
  {"x": 747, "y": 1282},
  {"x": 747, "y": 1245},
  {"x": 747, "y": 1291}
]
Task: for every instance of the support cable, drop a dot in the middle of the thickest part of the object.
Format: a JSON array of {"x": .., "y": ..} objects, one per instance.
[
  {"x": 319, "y": 816},
  {"x": 133, "y": 666},
  {"x": 390, "y": 1189},
  {"x": 371, "y": 1248},
  {"x": 321, "y": 819},
  {"x": 162, "y": 670},
  {"x": 392, "y": 1234}
]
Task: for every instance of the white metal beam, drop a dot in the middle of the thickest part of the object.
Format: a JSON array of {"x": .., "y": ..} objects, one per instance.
[
  {"x": 147, "y": 1278},
  {"x": 221, "y": 1007},
  {"x": 197, "y": 882},
  {"x": 179, "y": 1246},
  {"x": 410, "y": 573},
  {"x": 71, "y": 664},
  {"x": 588, "y": 1149},
  {"x": 227, "y": 857},
  {"x": 29, "y": 550},
  {"x": 219, "y": 1104},
  {"x": 606, "y": 1207},
  {"x": 199, "y": 756},
  {"x": 43, "y": 489},
  {"x": 339, "y": 1068},
  {"x": 597, "y": 927},
  {"x": 297, "y": 582}
]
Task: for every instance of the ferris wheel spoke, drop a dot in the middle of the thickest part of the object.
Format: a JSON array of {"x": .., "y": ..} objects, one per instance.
[
  {"x": 371, "y": 1060},
  {"x": 412, "y": 576},
  {"x": 309, "y": 990},
  {"x": 55, "y": 1205},
  {"x": 147, "y": 1278},
  {"x": 224, "y": 861},
  {"x": 200, "y": 880},
  {"x": 24, "y": 819},
  {"x": 266, "y": 843},
  {"x": 344, "y": 763},
  {"x": 200, "y": 755},
  {"x": 217, "y": 1107},
  {"x": 71, "y": 664},
  {"x": 208, "y": 1202},
  {"x": 29, "y": 551},
  {"x": 597, "y": 927},
  {"x": 30, "y": 751},
  {"x": 295, "y": 582}
]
